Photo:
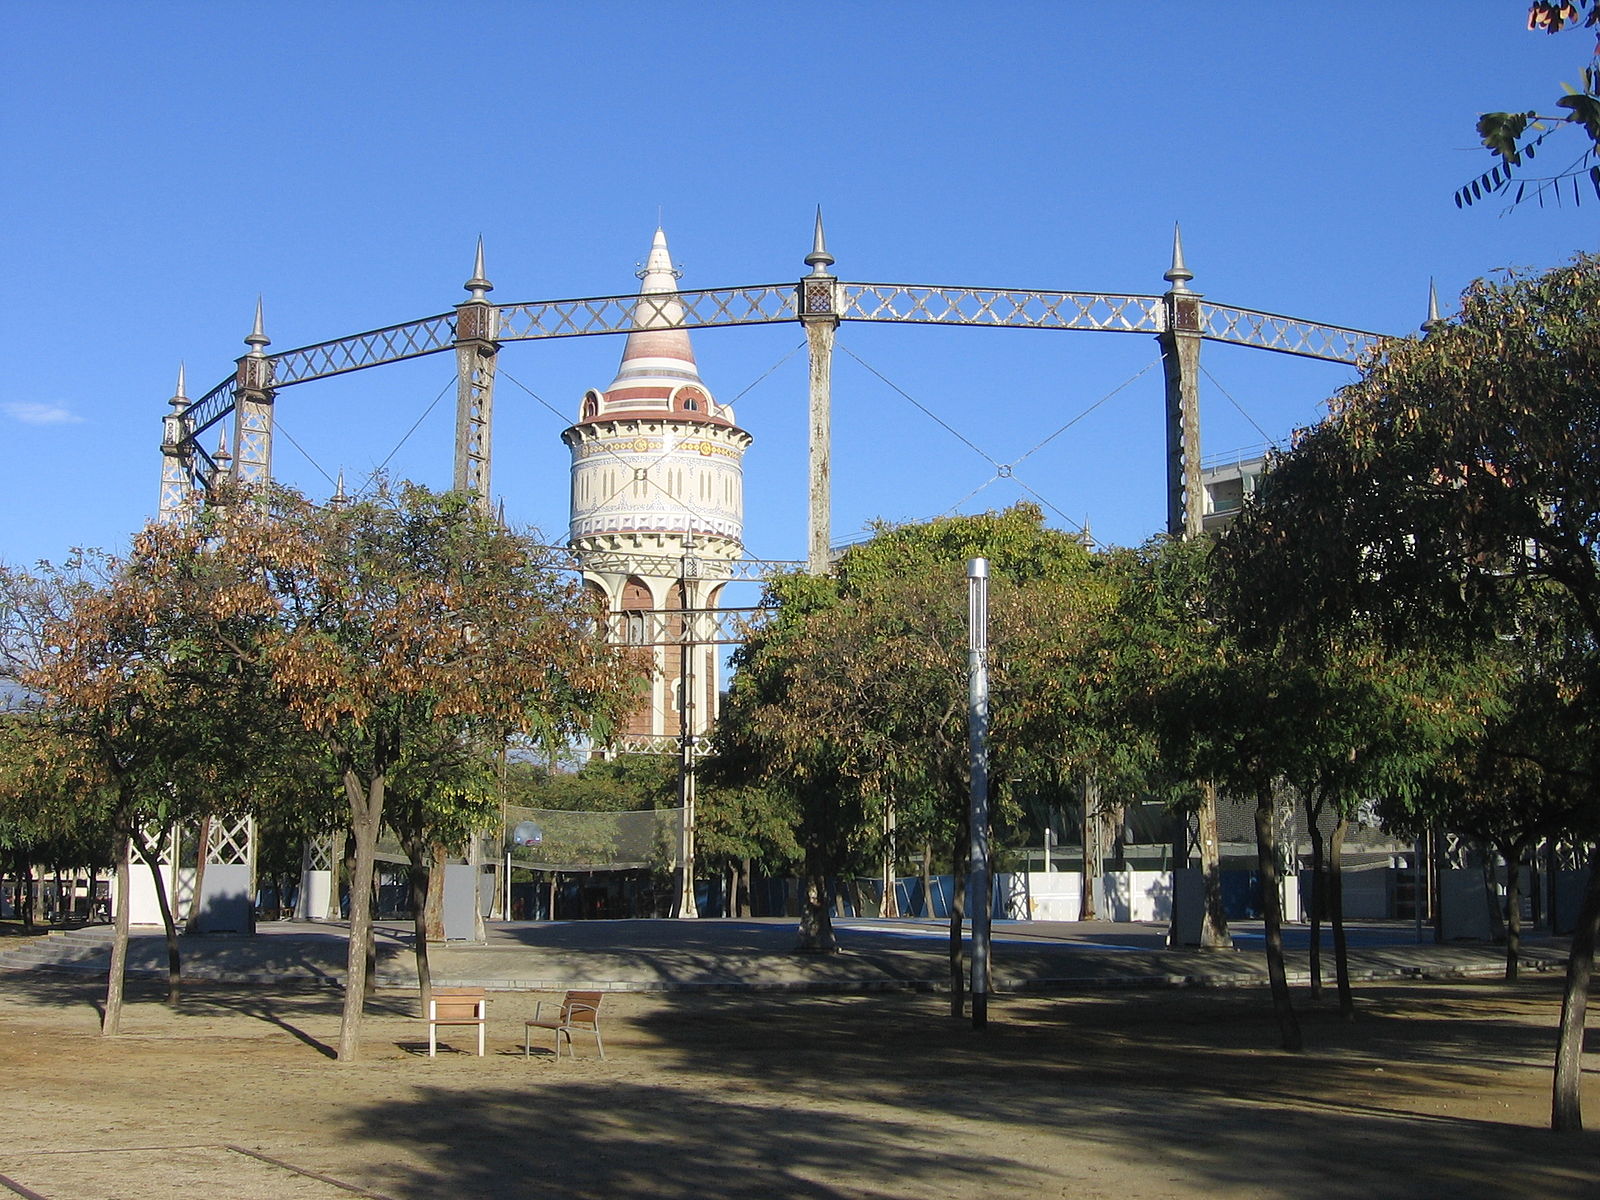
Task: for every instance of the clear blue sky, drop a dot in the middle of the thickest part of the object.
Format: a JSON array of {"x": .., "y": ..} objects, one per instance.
[{"x": 165, "y": 163}]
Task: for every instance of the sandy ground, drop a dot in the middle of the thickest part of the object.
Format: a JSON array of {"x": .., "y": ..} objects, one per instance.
[{"x": 1437, "y": 1090}]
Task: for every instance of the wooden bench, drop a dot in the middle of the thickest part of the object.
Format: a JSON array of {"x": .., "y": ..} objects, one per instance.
[
  {"x": 577, "y": 1011},
  {"x": 456, "y": 1006}
]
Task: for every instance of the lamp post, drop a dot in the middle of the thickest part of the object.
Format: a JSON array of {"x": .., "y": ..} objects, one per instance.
[{"x": 978, "y": 755}]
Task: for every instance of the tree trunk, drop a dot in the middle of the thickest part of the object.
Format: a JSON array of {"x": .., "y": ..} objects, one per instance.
[
  {"x": 421, "y": 887},
  {"x": 191, "y": 921},
  {"x": 25, "y": 892},
  {"x": 169, "y": 925},
  {"x": 1566, "y": 1112},
  {"x": 1513, "y": 917},
  {"x": 1093, "y": 855},
  {"x": 958, "y": 911},
  {"x": 111, "y": 1023},
  {"x": 1272, "y": 910},
  {"x": 816, "y": 917},
  {"x": 744, "y": 906},
  {"x": 927, "y": 880},
  {"x": 1318, "y": 891},
  {"x": 432, "y": 909},
  {"x": 1214, "y": 933},
  {"x": 366, "y": 817},
  {"x": 1341, "y": 948}
]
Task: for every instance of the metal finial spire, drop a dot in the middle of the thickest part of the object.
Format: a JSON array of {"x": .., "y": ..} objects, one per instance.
[
  {"x": 1434, "y": 321},
  {"x": 819, "y": 260},
  {"x": 258, "y": 339},
  {"x": 479, "y": 283},
  {"x": 223, "y": 458},
  {"x": 180, "y": 398},
  {"x": 1178, "y": 275},
  {"x": 339, "y": 499}
]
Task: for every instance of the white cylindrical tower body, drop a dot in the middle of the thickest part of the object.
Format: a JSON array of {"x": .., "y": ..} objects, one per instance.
[{"x": 658, "y": 498}]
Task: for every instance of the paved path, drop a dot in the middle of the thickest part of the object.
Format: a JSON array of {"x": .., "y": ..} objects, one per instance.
[{"x": 759, "y": 954}]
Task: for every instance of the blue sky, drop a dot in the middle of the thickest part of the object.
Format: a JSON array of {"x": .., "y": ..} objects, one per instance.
[{"x": 166, "y": 163}]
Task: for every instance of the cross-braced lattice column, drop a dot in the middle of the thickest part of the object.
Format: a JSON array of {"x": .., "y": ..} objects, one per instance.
[
  {"x": 252, "y": 411},
  {"x": 819, "y": 310},
  {"x": 177, "y": 457},
  {"x": 477, "y": 325},
  {"x": 319, "y": 874},
  {"x": 1180, "y": 357}
]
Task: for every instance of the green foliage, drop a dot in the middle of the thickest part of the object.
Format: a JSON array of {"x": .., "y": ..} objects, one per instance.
[
  {"x": 1506, "y": 134},
  {"x": 628, "y": 783},
  {"x": 851, "y": 696},
  {"x": 1450, "y": 505}
]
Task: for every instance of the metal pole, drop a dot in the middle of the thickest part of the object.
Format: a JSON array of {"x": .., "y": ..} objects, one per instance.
[
  {"x": 688, "y": 726},
  {"x": 978, "y": 753}
]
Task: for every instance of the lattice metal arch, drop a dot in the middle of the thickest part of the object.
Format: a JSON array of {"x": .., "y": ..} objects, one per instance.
[{"x": 249, "y": 393}]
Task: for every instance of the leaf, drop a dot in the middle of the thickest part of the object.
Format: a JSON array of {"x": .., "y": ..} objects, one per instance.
[{"x": 1501, "y": 131}]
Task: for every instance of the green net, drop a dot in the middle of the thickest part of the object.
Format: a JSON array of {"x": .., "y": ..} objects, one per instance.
[{"x": 597, "y": 841}]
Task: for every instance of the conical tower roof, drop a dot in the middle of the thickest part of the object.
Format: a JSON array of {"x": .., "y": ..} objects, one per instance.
[{"x": 658, "y": 375}]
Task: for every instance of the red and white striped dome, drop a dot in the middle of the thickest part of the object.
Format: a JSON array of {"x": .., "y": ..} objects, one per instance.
[{"x": 658, "y": 376}]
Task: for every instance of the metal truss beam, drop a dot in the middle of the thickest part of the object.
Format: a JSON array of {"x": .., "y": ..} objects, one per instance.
[
  {"x": 657, "y": 743},
  {"x": 395, "y": 343},
  {"x": 647, "y": 627},
  {"x": 1004, "y": 307},
  {"x": 714, "y": 570},
  {"x": 762, "y": 304},
  {"x": 776, "y": 303},
  {"x": 1287, "y": 335}
]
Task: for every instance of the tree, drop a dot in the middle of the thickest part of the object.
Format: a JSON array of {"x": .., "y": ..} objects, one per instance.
[
  {"x": 383, "y": 625},
  {"x": 1450, "y": 486},
  {"x": 126, "y": 721},
  {"x": 1515, "y": 138},
  {"x": 854, "y": 691}
]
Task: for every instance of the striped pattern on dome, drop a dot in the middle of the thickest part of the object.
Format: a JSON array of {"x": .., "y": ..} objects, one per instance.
[{"x": 658, "y": 376}]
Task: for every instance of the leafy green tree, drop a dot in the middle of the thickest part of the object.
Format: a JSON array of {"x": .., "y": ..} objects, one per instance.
[
  {"x": 743, "y": 829},
  {"x": 1450, "y": 487},
  {"x": 855, "y": 689}
]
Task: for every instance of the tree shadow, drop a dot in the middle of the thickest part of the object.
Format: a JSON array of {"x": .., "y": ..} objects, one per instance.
[{"x": 286, "y": 1006}]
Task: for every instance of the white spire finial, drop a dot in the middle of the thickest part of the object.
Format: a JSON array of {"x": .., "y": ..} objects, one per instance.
[
  {"x": 1434, "y": 321},
  {"x": 180, "y": 398},
  {"x": 479, "y": 284},
  {"x": 258, "y": 339},
  {"x": 1178, "y": 275},
  {"x": 819, "y": 260}
]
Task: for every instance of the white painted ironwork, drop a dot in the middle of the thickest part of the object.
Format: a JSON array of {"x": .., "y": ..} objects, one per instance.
[
  {"x": 1026, "y": 309},
  {"x": 1287, "y": 335},
  {"x": 761, "y": 304},
  {"x": 756, "y": 305},
  {"x": 394, "y": 343},
  {"x": 677, "y": 626},
  {"x": 232, "y": 841}
]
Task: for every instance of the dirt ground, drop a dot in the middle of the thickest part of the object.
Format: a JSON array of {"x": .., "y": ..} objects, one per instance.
[{"x": 1436, "y": 1090}]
